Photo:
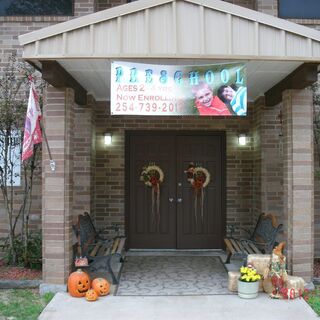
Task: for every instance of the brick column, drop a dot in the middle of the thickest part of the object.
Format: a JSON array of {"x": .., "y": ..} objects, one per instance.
[
  {"x": 57, "y": 187},
  {"x": 267, "y": 7},
  {"x": 83, "y": 7},
  {"x": 298, "y": 181}
]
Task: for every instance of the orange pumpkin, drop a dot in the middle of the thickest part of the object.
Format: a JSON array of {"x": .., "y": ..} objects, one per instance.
[
  {"x": 91, "y": 295},
  {"x": 78, "y": 283},
  {"x": 101, "y": 286}
]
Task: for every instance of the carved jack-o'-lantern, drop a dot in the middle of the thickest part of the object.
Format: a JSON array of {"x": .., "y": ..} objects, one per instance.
[
  {"x": 91, "y": 295},
  {"x": 101, "y": 286},
  {"x": 78, "y": 283}
]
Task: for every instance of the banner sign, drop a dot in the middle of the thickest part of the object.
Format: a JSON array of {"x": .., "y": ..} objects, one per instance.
[{"x": 206, "y": 90}]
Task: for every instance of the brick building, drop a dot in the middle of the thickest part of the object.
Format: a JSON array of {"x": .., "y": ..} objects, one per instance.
[{"x": 273, "y": 172}]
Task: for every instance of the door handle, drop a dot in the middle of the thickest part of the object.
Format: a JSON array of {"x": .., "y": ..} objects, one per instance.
[
  {"x": 170, "y": 199},
  {"x": 179, "y": 200}
]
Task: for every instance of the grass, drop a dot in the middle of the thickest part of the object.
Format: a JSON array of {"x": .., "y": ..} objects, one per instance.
[
  {"x": 21, "y": 304},
  {"x": 313, "y": 299}
]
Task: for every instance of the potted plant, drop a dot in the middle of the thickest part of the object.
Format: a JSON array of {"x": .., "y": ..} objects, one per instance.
[{"x": 248, "y": 282}]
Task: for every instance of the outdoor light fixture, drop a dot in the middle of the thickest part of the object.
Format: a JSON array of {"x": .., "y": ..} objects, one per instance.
[
  {"x": 107, "y": 138},
  {"x": 242, "y": 139}
]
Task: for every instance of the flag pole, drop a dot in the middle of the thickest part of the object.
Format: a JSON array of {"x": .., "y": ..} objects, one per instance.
[
  {"x": 52, "y": 162},
  {"x": 37, "y": 111}
]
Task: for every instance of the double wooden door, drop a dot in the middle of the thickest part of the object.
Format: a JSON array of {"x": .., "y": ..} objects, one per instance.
[{"x": 179, "y": 217}]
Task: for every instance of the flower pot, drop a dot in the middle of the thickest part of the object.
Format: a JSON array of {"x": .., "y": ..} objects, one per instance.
[{"x": 248, "y": 290}]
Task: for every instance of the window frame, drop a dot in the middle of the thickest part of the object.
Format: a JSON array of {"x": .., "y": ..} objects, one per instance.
[
  {"x": 39, "y": 15},
  {"x": 298, "y": 19}
]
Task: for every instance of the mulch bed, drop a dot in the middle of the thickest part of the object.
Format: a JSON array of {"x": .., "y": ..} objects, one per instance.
[{"x": 18, "y": 273}]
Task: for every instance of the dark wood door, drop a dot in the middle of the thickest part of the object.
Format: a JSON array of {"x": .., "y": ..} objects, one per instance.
[
  {"x": 200, "y": 218},
  {"x": 145, "y": 231},
  {"x": 187, "y": 220}
]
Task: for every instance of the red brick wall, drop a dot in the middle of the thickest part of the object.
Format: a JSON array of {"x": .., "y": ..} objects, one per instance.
[
  {"x": 83, "y": 166},
  {"x": 10, "y": 29},
  {"x": 106, "y": 4},
  {"x": 270, "y": 199},
  {"x": 257, "y": 157},
  {"x": 267, "y": 6},
  {"x": 250, "y": 4},
  {"x": 109, "y": 192}
]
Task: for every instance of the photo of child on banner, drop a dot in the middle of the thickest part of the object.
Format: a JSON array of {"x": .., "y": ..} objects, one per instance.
[
  {"x": 224, "y": 95},
  {"x": 234, "y": 97},
  {"x": 230, "y": 100},
  {"x": 208, "y": 104}
]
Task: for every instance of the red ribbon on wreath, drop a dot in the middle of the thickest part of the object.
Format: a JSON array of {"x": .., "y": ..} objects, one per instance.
[
  {"x": 199, "y": 178},
  {"x": 153, "y": 176}
]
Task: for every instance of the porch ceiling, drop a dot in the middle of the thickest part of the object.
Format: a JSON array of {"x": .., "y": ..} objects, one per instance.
[
  {"x": 94, "y": 74},
  {"x": 181, "y": 32}
]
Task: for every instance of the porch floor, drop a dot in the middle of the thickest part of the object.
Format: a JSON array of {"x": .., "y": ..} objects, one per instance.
[
  {"x": 219, "y": 307},
  {"x": 99, "y": 271},
  {"x": 175, "y": 307},
  {"x": 173, "y": 276}
]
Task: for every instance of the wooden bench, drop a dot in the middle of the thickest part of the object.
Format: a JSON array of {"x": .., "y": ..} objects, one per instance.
[
  {"x": 97, "y": 248},
  {"x": 261, "y": 240}
]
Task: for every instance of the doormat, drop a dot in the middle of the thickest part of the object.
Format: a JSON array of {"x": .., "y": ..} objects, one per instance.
[{"x": 172, "y": 275}]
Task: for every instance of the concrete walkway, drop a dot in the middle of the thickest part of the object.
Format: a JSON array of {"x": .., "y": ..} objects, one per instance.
[{"x": 224, "y": 307}]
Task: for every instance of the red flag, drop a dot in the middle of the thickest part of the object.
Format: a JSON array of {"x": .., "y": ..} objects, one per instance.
[{"x": 32, "y": 131}]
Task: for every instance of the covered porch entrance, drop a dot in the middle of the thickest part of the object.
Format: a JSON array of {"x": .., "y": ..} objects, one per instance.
[{"x": 272, "y": 173}]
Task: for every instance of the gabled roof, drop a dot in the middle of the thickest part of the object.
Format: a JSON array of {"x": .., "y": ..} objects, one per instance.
[{"x": 175, "y": 29}]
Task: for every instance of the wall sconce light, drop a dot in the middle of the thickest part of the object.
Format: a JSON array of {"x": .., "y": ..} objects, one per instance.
[
  {"x": 108, "y": 138},
  {"x": 242, "y": 139}
]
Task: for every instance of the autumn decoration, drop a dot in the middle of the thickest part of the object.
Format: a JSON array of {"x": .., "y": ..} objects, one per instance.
[
  {"x": 152, "y": 176},
  {"x": 101, "y": 286},
  {"x": 91, "y": 295},
  {"x": 78, "y": 283},
  {"x": 199, "y": 179}
]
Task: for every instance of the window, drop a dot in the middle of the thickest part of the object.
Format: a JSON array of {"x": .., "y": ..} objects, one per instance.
[
  {"x": 12, "y": 166},
  {"x": 299, "y": 9},
  {"x": 36, "y": 7}
]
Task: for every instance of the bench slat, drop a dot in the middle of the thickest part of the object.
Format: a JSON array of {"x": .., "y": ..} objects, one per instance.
[
  {"x": 121, "y": 245},
  {"x": 229, "y": 245},
  {"x": 103, "y": 249},
  {"x": 95, "y": 249},
  {"x": 235, "y": 245},
  {"x": 241, "y": 246},
  {"x": 255, "y": 249},
  {"x": 248, "y": 248},
  {"x": 115, "y": 245}
]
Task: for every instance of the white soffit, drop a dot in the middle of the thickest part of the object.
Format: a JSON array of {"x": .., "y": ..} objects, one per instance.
[
  {"x": 201, "y": 29},
  {"x": 94, "y": 74}
]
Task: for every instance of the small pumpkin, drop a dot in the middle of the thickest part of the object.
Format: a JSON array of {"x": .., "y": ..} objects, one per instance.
[
  {"x": 91, "y": 295},
  {"x": 78, "y": 283},
  {"x": 101, "y": 286}
]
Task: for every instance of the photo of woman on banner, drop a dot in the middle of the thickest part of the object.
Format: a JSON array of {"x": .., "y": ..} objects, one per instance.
[
  {"x": 207, "y": 103},
  {"x": 234, "y": 97}
]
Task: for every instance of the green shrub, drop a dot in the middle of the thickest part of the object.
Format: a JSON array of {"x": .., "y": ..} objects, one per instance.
[{"x": 31, "y": 257}]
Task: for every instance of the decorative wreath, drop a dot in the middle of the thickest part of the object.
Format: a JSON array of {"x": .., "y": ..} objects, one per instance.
[
  {"x": 199, "y": 177},
  {"x": 152, "y": 175}
]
